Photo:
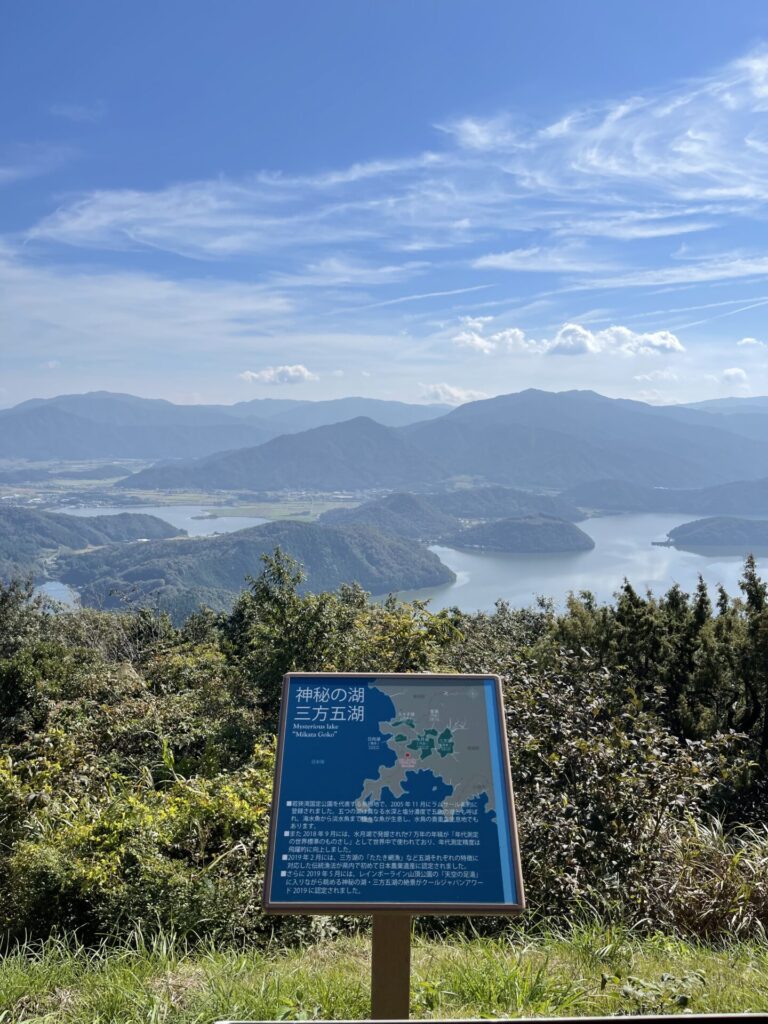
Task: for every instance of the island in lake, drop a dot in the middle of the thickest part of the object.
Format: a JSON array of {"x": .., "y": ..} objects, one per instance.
[
  {"x": 727, "y": 535},
  {"x": 536, "y": 534}
]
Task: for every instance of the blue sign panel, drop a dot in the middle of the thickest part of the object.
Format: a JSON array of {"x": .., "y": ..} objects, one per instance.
[{"x": 392, "y": 791}]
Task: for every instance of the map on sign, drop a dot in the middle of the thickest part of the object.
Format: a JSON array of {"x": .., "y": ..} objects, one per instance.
[{"x": 392, "y": 790}]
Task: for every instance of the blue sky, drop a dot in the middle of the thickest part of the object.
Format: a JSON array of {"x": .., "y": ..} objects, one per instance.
[{"x": 426, "y": 200}]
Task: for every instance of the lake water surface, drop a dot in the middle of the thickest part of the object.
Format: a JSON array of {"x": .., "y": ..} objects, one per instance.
[
  {"x": 623, "y": 548},
  {"x": 184, "y": 517}
]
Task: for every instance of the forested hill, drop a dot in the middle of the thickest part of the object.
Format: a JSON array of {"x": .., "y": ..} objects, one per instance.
[
  {"x": 28, "y": 536},
  {"x": 353, "y": 455},
  {"x": 522, "y": 534},
  {"x": 725, "y": 534},
  {"x": 429, "y": 517},
  {"x": 179, "y": 576},
  {"x": 417, "y": 516}
]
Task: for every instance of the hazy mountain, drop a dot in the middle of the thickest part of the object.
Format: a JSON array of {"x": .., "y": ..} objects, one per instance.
[
  {"x": 744, "y": 497},
  {"x": 46, "y": 431},
  {"x": 179, "y": 575},
  {"x": 722, "y": 534},
  {"x": 732, "y": 405},
  {"x": 148, "y": 428},
  {"x": 354, "y": 455},
  {"x": 38, "y": 474},
  {"x": 746, "y": 417},
  {"x": 533, "y": 440},
  {"x": 286, "y": 416},
  {"x": 546, "y": 439},
  {"x": 28, "y": 536},
  {"x": 525, "y": 534}
]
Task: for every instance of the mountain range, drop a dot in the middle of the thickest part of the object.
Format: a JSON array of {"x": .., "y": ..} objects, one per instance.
[
  {"x": 105, "y": 425},
  {"x": 534, "y": 440}
]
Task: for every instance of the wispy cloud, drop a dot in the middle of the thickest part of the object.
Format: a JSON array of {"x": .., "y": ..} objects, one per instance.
[
  {"x": 500, "y": 194},
  {"x": 80, "y": 112},
  {"x": 631, "y": 198},
  {"x": 106, "y": 313},
  {"x": 657, "y": 375},
  {"x": 18, "y": 162},
  {"x": 538, "y": 259}
]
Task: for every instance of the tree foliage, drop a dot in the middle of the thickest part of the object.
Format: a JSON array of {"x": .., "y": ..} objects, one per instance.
[{"x": 136, "y": 761}]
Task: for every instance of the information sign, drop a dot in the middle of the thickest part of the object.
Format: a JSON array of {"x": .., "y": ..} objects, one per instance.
[{"x": 392, "y": 792}]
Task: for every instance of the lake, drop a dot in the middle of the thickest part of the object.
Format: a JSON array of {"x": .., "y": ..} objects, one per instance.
[
  {"x": 623, "y": 548},
  {"x": 192, "y": 518}
]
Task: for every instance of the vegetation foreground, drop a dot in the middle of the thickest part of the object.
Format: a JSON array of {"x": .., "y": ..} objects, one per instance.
[
  {"x": 136, "y": 761},
  {"x": 590, "y": 971}
]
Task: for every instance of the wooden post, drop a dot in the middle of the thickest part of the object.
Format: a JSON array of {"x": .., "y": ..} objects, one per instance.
[{"x": 391, "y": 966}]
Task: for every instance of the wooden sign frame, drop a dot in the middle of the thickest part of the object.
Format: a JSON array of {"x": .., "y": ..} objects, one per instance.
[{"x": 407, "y": 908}]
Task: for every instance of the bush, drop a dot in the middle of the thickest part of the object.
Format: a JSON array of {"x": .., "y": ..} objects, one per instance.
[{"x": 136, "y": 776}]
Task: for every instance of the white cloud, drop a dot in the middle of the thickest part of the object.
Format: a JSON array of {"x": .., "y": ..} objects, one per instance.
[
  {"x": 752, "y": 343},
  {"x": 484, "y": 135},
  {"x": 570, "y": 339},
  {"x": 735, "y": 375},
  {"x": 448, "y": 394},
  {"x": 296, "y": 374}
]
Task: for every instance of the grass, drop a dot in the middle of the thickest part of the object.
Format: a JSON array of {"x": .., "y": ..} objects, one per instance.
[{"x": 590, "y": 971}]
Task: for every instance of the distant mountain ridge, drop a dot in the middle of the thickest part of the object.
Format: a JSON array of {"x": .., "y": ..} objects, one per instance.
[
  {"x": 530, "y": 440},
  {"x": 151, "y": 428},
  {"x": 745, "y": 497}
]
